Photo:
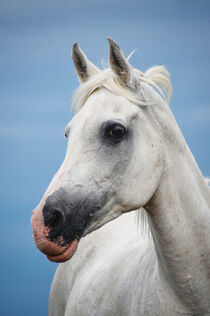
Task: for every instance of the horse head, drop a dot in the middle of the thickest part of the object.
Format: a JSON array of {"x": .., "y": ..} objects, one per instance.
[{"x": 114, "y": 158}]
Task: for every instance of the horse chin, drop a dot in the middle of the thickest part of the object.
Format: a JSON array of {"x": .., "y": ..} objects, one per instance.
[
  {"x": 67, "y": 254},
  {"x": 56, "y": 252}
]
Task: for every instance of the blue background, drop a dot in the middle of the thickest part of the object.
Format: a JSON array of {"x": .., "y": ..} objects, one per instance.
[{"x": 37, "y": 81}]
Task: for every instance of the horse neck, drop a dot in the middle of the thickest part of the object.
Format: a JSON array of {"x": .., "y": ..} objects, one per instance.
[{"x": 179, "y": 218}]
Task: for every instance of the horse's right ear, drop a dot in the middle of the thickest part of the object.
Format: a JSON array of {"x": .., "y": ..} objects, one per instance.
[{"x": 84, "y": 68}]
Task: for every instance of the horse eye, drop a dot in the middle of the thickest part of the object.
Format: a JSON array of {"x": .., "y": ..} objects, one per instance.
[
  {"x": 115, "y": 132},
  {"x": 67, "y": 131}
]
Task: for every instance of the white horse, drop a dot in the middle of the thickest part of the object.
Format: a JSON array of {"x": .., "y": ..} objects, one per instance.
[{"x": 125, "y": 152}]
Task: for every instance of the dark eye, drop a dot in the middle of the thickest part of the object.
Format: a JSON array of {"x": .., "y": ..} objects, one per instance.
[
  {"x": 67, "y": 131},
  {"x": 115, "y": 132}
]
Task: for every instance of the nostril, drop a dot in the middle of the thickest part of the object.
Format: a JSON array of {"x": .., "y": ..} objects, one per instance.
[{"x": 55, "y": 219}]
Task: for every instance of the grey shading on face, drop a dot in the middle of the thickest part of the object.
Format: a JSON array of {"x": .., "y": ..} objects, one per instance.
[
  {"x": 69, "y": 213},
  {"x": 117, "y": 146}
]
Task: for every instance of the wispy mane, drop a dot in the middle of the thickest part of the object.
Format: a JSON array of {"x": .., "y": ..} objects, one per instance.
[{"x": 156, "y": 77}]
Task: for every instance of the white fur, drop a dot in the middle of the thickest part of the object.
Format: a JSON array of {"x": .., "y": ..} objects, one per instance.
[{"x": 116, "y": 270}]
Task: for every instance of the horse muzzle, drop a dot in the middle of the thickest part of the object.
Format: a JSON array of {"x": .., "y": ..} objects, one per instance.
[
  {"x": 56, "y": 251},
  {"x": 63, "y": 218}
]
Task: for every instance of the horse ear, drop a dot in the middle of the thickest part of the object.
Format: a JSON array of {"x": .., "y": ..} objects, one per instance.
[
  {"x": 84, "y": 68},
  {"x": 120, "y": 66}
]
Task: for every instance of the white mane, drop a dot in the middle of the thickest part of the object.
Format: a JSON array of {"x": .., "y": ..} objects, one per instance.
[{"x": 157, "y": 77}]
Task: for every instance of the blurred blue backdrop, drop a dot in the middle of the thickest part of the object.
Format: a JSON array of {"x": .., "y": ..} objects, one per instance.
[{"x": 37, "y": 82}]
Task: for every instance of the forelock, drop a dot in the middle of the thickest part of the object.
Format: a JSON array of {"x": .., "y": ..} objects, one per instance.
[{"x": 157, "y": 77}]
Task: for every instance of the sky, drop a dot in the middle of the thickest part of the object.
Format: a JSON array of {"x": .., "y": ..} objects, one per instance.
[{"x": 37, "y": 81}]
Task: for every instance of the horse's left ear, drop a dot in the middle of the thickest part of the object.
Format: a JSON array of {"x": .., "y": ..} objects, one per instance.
[
  {"x": 84, "y": 68},
  {"x": 120, "y": 66}
]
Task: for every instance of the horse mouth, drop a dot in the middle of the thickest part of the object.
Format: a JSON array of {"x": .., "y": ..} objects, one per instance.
[
  {"x": 55, "y": 251},
  {"x": 67, "y": 254}
]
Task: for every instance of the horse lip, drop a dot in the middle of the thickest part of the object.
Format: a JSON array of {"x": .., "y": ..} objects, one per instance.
[
  {"x": 67, "y": 254},
  {"x": 54, "y": 251}
]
